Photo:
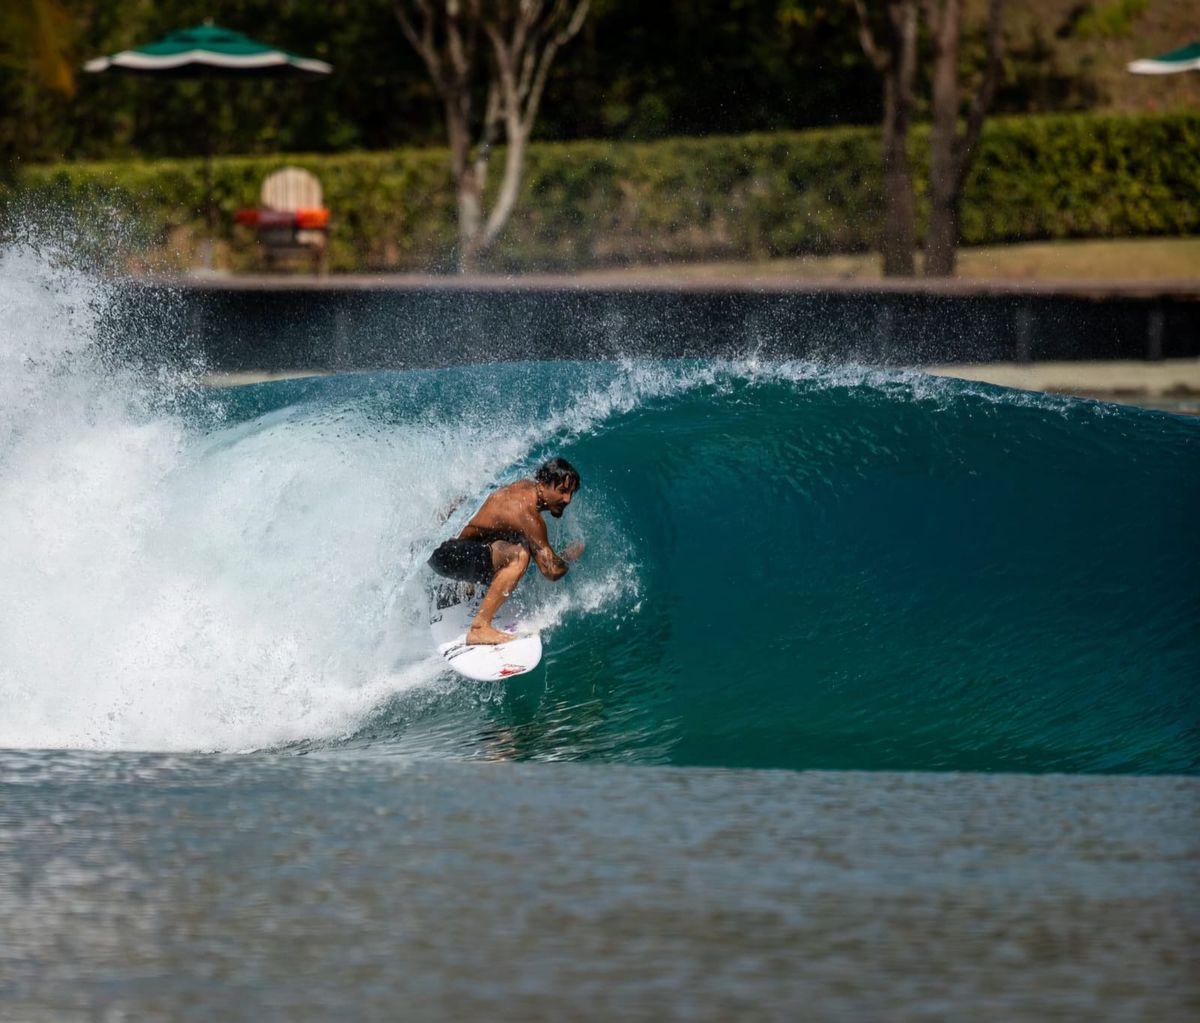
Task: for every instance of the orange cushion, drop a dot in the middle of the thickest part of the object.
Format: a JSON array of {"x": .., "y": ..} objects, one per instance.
[{"x": 314, "y": 217}]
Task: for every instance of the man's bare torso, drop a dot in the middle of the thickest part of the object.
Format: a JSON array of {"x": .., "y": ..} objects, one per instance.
[{"x": 510, "y": 514}]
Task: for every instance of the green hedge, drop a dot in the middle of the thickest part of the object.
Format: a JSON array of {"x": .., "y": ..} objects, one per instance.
[
  {"x": 743, "y": 197},
  {"x": 1083, "y": 176}
]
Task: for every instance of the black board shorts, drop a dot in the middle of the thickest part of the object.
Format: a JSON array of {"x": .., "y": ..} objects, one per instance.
[{"x": 469, "y": 561}]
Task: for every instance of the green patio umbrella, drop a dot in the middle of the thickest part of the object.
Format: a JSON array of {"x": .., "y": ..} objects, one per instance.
[
  {"x": 208, "y": 52},
  {"x": 1186, "y": 58}
]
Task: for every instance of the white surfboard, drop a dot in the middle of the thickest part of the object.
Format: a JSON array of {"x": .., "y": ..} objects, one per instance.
[{"x": 451, "y": 615}]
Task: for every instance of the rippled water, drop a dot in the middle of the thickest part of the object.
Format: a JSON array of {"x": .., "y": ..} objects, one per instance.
[{"x": 243, "y": 888}]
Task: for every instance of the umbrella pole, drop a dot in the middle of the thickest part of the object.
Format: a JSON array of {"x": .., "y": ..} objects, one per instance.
[{"x": 206, "y": 246}]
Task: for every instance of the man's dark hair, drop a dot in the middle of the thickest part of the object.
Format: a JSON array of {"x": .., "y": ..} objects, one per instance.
[{"x": 559, "y": 473}]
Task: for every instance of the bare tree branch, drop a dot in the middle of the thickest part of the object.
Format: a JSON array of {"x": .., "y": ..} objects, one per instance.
[
  {"x": 569, "y": 31},
  {"x": 522, "y": 63},
  {"x": 422, "y": 41},
  {"x": 866, "y": 38},
  {"x": 903, "y": 17},
  {"x": 982, "y": 100},
  {"x": 934, "y": 14},
  {"x": 522, "y": 39}
]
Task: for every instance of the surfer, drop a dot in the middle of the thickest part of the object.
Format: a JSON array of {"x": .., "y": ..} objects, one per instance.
[{"x": 496, "y": 546}]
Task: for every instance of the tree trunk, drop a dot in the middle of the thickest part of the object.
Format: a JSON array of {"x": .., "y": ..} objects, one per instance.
[
  {"x": 470, "y": 216},
  {"x": 896, "y": 63},
  {"x": 941, "y": 237},
  {"x": 951, "y": 153},
  {"x": 468, "y": 182},
  {"x": 899, "y": 220}
]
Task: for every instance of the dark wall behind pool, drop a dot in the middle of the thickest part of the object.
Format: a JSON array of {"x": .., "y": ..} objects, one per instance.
[{"x": 275, "y": 325}]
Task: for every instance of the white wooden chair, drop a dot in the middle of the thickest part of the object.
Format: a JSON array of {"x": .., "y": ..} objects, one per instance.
[{"x": 293, "y": 222}]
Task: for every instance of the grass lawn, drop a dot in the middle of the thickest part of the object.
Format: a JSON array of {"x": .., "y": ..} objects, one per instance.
[{"x": 1138, "y": 259}]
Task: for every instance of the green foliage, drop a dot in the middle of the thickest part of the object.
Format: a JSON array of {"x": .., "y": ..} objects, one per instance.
[
  {"x": 378, "y": 97},
  {"x": 732, "y": 197},
  {"x": 1080, "y": 176},
  {"x": 1106, "y": 21},
  {"x": 637, "y": 71}
]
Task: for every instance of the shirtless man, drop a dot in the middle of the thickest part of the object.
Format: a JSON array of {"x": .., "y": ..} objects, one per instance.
[{"x": 496, "y": 545}]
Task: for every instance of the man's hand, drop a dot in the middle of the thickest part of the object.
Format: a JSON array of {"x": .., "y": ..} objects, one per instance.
[{"x": 572, "y": 551}]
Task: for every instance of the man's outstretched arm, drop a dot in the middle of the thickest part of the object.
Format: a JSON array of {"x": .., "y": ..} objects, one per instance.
[{"x": 551, "y": 565}]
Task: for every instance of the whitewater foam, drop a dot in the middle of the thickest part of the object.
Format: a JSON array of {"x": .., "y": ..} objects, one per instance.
[{"x": 224, "y": 586}]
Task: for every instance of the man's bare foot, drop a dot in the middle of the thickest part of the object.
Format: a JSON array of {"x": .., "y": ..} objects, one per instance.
[{"x": 485, "y": 635}]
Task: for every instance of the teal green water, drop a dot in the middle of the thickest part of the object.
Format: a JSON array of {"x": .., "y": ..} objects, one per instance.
[{"x": 798, "y": 567}]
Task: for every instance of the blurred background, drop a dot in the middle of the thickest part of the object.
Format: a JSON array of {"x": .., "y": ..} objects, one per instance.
[{"x": 685, "y": 131}]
